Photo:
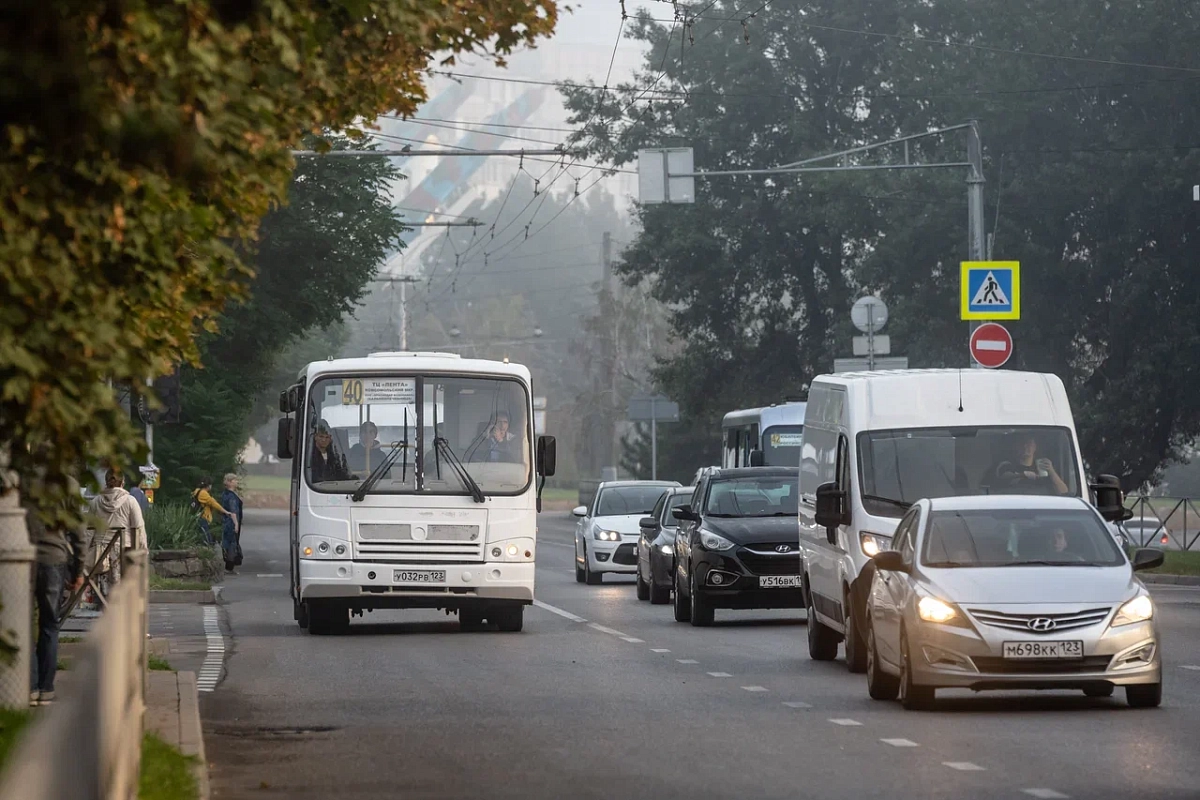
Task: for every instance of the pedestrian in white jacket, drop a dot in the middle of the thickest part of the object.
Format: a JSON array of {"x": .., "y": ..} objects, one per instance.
[{"x": 118, "y": 509}]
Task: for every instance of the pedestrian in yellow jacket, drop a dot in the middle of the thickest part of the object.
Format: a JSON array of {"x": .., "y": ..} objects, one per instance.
[{"x": 204, "y": 504}]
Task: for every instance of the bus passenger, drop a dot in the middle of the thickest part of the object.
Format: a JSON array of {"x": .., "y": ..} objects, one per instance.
[{"x": 326, "y": 464}]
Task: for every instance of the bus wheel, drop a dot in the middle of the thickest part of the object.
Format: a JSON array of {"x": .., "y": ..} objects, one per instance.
[
  {"x": 509, "y": 619},
  {"x": 326, "y": 618},
  {"x": 300, "y": 613},
  {"x": 470, "y": 619}
]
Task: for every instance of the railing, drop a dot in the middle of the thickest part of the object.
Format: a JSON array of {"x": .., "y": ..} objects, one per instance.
[
  {"x": 88, "y": 745},
  {"x": 1175, "y": 518},
  {"x": 99, "y": 575}
]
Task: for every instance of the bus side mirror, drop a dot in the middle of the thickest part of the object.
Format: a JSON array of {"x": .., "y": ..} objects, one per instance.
[
  {"x": 1109, "y": 500},
  {"x": 284, "y": 403},
  {"x": 286, "y": 437},
  {"x": 830, "y": 506},
  {"x": 756, "y": 458},
  {"x": 547, "y": 455}
]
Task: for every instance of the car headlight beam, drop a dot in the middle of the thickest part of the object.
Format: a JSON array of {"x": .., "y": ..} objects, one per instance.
[
  {"x": 1139, "y": 609},
  {"x": 607, "y": 536},
  {"x": 930, "y": 609},
  {"x": 666, "y": 549},
  {"x": 873, "y": 543},
  {"x": 711, "y": 541}
]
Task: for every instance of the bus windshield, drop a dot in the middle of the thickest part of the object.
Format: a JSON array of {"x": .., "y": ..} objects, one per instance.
[
  {"x": 359, "y": 425},
  {"x": 781, "y": 445}
]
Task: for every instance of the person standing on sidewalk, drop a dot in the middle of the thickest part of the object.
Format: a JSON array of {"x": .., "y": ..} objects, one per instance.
[
  {"x": 231, "y": 541},
  {"x": 204, "y": 504},
  {"x": 60, "y": 554},
  {"x": 120, "y": 513}
]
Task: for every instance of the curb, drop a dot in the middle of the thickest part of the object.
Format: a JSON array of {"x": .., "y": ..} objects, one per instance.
[
  {"x": 190, "y": 730},
  {"x": 1171, "y": 580},
  {"x": 182, "y": 596}
]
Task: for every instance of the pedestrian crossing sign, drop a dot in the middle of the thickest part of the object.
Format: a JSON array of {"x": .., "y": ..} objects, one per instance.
[{"x": 991, "y": 290}]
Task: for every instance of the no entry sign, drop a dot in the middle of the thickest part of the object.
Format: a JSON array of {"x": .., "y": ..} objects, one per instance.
[{"x": 991, "y": 345}]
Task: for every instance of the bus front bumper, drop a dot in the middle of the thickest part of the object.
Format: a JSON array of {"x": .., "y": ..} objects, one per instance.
[{"x": 364, "y": 580}]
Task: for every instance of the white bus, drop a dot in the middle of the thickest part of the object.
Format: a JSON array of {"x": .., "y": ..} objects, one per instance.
[
  {"x": 774, "y": 432},
  {"x": 413, "y": 486}
]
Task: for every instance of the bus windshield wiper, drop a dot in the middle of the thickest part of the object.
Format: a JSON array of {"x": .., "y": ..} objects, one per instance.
[
  {"x": 442, "y": 446},
  {"x": 890, "y": 501},
  {"x": 384, "y": 465}
]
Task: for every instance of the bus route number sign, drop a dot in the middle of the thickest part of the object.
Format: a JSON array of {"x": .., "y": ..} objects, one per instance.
[{"x": 369, "y": 391}]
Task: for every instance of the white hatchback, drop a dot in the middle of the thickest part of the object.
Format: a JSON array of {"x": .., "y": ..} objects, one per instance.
[{"x": 606, "y": 535}]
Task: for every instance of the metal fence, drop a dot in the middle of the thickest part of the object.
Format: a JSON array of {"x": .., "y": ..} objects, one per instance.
[
  {"x": 1171, "y": 523},
  {"x": 88, "y": 745}
]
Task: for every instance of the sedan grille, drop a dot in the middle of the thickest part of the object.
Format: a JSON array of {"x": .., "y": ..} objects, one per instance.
[
  {"x": 1053, "y": 666},
  {"x": 626, "y": 555},
  {"x": 765, "y": 560},
  {"x": 1041, "y": 623}
]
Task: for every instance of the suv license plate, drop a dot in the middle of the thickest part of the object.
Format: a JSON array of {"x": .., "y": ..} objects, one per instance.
[
  {"x": 778, "y": 581},
  {"x": 1043, "y": 649},
  {"x": 419, "y": 576}
]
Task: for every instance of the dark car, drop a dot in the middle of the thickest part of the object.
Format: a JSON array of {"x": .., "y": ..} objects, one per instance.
[
  {"x": 656, "y": 547},
  {"x": 738, "y": 544}
]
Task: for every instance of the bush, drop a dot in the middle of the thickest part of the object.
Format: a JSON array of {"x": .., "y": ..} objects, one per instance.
[{"x": 173, "y": 526}]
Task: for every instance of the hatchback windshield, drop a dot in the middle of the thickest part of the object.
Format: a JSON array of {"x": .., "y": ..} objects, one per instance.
[
  {"x": 1013, "y": 538},
  {"x": 899, "y": 467},
  {"x": 619, "y": 500},
  {"x": 773, "y": 496}
]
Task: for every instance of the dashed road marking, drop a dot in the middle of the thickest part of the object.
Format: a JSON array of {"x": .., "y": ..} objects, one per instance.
[
  {"x": 603, "y": 629},
  {"x": 755, "y": 688},
  {"x": 559, "y": 611},
  {"x": 963, "y": 766},
  {"x": 719, "y": 675},
  {"x": 1045, "y": 794},
  {"x": 270, "y": 575},
  {"x": 214, "y": 659},
  {"x": 633, "y": 640},
  {"x": 1192, "y": 667},
  {"x": 796, "y": 704},
  {"x": 659, "y": 650},
  {"x": 845, "y": 722},
  {"x": 687, "y": 661},
  {"x": 900, "y": 742}
]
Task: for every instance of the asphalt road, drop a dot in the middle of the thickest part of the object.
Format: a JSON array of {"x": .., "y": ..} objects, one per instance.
[{"x": 605, "y": 697}]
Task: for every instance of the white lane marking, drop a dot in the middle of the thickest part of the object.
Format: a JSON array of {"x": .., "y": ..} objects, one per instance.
[
  {"x": 1045, "y": 794},
  {"x": 1192, "y": 667},
  {"x": 633, "y": 640},
  {"x": 659, "y": 650},
  {"x": 845, "y": 722},
  {"x": 559, "y": 611},
  {"x": 687, "y": 661},
  {"x": 755, "y": 688},
  {"x": 270, "y": 575},
  {"x": 603, "y": 629},
  {"x": 796, "y": 704},
  {"x": 963, "y": 766},
  {"x": 719, "y": 675},
  {"x": 900, "y": 742},
  {"x": 556, "y": 544},
  {"x": 214, "y": 658}
]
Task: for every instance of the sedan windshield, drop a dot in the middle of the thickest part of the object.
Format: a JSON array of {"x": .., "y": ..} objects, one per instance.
[
  {"x": 752, "y": 497},
  {"x": 617, "y": 501},
  {"x": 1018, "y": 537}
]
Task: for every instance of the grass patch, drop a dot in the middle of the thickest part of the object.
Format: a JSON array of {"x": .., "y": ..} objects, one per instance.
[
  {"x": 281, "y": 484},
  {"x": 1179, "y": 563},
  {"x": 11, "y": 724},
  {"x": 70, "y": 639},
  {"x": 557, "y": 495},
  {"x": 166, "y": 772},
  {"x": 159, "y": 664},
  {"x": 62, "y": 664},
  {"x": 158, "y": 582}
]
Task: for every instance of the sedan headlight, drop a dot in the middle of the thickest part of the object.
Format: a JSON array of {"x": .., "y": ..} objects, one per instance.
[
  {"x": 666, "y": 549},
  {"x": 710, "y": 541},
  {"x": 1139, "y": 609},
  {"x": 608, "y": 536},
  {"x": 873, "y": 543},
  {"x": 931, "y": 609}
]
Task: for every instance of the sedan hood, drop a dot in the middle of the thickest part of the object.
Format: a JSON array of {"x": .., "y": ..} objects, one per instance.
[
  {"x": 754, "y": 530},
  {"x": 1030, "y": 585},
  {"x": 624, "y": 524}
]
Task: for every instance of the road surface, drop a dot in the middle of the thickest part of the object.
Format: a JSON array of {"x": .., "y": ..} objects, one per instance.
[{"x": 605, "y": 697}]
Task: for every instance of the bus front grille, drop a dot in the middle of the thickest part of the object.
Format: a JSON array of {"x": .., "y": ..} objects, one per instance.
[{"x": 418, "y": 544}]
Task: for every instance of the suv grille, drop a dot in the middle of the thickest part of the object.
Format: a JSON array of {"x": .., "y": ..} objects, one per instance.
[
  {"x": 765, "y": 561},
  {"x": 1021, "y": 622},
  {"x": 1054, "y": 666}
]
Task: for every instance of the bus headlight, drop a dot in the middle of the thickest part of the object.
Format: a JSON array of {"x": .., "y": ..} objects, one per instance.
[
  {"x": 511, "y": 550},
  {"x": 320, "y": 547}
]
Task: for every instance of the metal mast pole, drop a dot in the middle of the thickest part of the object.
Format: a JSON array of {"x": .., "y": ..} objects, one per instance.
[
  {"x": 653, "y": 440},
  {"x": 975, "y": 224}
]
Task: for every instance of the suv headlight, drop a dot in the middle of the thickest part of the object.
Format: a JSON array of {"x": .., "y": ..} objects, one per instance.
[
  {"x": 710, "y": 541},
  {"x": 607, "y": 536},
  {"x": 873, "y": 543},
  {"x": 1139, "y": 609}
]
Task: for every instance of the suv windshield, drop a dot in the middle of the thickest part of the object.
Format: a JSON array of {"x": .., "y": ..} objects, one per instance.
[
  {"x": 617, "y": 501},
  {"x": 355, "y": 423},
  {"x": 773, "y": 496},
  {"x": 781, "y": 445},
  {"x": 899, "y": 467},
  {"x": 1013, "y": 538}
]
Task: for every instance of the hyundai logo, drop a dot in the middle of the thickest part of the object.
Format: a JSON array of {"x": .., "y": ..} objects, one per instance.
[
  {"x": 1041, "y": 624},
  {"x": 783, "y": 548}
]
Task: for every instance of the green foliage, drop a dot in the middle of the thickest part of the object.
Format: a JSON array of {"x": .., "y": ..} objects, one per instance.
[
  {"x": 174, "y": 526},
  {"x": 166, "y": 773},
  {"x": 157, "y": 664},
  {"x": 178, "y": 584},
  {"x": 142, "y": 144},
  {"x": 12, "y": 723},
  {"x": 760, "y": 273}
]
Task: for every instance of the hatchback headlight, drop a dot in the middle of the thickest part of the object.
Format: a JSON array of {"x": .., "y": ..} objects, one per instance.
[
  {"x": 873, "y": 543},
  {"x": 666, "y": 549},
  {"x": 608, "y": 536},
  {"x": 931, "y": 609},
  {"x": 1139, "y": 609},
  {"x": 710, "y": 541}
]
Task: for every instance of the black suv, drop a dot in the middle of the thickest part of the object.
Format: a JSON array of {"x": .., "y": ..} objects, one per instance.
[{"x": 738, "y": 544}]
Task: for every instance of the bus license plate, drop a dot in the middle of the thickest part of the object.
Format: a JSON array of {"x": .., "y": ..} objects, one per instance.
[
  {"x": 1043, "y": 649},
  {"x": 778, "y": 581},
  {"x": 419, "y": 576}
]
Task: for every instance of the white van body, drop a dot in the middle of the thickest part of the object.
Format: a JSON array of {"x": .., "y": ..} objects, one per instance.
[{"x": 890, "y": 438}]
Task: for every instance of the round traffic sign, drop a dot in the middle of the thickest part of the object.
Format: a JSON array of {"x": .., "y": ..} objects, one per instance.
[
  {"x": 869, "y": 314},
  {"x": 991, "y": 345}
]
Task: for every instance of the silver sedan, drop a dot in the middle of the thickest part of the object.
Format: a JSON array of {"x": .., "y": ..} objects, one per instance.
[{"x": 1010, "y": 592}]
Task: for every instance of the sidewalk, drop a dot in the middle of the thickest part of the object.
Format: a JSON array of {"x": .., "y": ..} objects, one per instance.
[{"x": 173, "y": 714}]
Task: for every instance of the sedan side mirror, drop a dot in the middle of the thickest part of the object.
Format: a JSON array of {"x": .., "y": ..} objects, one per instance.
[
  {"x": 648, "y": 523},
  {"x": 1109, "y": 499},
  {"x": 580, "y": 511},
  {"x": 1147, "y": 558},
  {"x": 890, "y": 561},
  {"x": 685, "y": 514}
]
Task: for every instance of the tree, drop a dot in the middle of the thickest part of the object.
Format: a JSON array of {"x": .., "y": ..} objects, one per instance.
[
  {"x": 142, "y": 143},
  {"x": 760, "y": 272}
]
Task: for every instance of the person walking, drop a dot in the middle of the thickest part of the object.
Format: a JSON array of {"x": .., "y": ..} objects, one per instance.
[
  {"x": 204, "y": 505},
  {"x": 121, "y": 514},
  {"x": 60, "y": 554},
  {"x": 231, "y": 540}
]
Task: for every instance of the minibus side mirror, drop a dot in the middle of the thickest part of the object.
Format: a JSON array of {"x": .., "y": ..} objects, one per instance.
[
  {"x": 286, "y": 437},
  {"x": 1147, "y": 558},
  {"x": 756, "y": 458},
  {"x": 830, "y": 506},
  {"x": 1109, "y": 499}
]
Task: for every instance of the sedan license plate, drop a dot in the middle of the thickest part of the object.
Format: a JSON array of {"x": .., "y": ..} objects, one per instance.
[
  {"x": 419, "y": 576},
  {"x": 1043, "y": 649},
  {"x": 778, "y": 581}
]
